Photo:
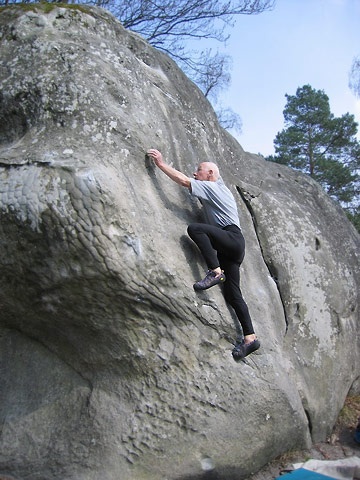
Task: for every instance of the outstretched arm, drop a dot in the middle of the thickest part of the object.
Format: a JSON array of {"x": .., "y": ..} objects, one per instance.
[{"x": 175, "y": 175}]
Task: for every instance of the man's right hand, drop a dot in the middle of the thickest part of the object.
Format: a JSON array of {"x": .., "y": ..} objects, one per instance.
[
  {"x": 171, "y": 172},
  {"x": 156, "y": 156}
]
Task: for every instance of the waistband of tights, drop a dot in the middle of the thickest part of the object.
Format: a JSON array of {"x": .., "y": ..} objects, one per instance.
[{"x": 232, "y": 228}]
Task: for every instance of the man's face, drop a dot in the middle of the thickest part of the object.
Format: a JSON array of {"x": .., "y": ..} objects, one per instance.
[{"x": 202, "y": 172}]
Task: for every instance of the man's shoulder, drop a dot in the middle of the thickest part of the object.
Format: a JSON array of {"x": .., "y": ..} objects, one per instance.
[{"x": 202, "y": 185}]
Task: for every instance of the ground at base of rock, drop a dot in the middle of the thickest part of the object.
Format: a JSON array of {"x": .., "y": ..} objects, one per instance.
[{"x": 341, "y": 444}]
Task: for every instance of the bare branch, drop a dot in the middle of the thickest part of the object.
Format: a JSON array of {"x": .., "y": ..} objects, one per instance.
[{"x": 354, "y": 77}]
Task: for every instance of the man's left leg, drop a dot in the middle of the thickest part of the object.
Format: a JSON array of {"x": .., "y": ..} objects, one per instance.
[{"x": 233, "y": 296}]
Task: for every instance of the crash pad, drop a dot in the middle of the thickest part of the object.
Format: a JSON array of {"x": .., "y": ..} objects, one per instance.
[{"x": 303, "y": 474}]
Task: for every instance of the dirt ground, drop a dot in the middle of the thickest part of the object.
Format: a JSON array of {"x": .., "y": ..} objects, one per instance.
[{"x": 341, "y": 444}]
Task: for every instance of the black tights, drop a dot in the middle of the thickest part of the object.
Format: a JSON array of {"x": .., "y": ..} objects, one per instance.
[{"x": 225, "y": 247}]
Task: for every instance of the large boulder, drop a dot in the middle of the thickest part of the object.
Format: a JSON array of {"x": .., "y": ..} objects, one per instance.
[{"x": 111, "y": 366}]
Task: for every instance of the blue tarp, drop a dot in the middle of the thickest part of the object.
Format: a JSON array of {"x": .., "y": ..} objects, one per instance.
[{"x": 303, "y": 474}]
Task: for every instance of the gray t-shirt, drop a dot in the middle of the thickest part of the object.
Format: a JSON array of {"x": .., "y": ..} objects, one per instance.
[{"x": 218, "y": 202}]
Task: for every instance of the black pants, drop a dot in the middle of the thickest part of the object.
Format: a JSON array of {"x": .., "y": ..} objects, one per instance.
[{"x": 225, "y": 247}]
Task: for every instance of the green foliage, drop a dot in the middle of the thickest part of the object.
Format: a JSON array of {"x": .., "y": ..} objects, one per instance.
[
  {"x": 354, "y": 217},
  {"x": 319, "y": 144}
]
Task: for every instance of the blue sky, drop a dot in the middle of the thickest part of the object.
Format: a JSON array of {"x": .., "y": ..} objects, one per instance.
[{"x": 299, "y": 42}]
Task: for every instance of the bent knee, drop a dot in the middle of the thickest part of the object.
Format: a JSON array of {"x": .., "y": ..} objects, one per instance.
[
  {"x": 189, "y": 228},
  {"x": 192, "y": 229}
]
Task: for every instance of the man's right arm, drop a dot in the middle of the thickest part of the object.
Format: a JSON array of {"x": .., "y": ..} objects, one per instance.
[{"x": 175, "y": 175}]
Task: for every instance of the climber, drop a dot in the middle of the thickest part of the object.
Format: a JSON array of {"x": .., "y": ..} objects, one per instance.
[{"x": 219, "y": 240}]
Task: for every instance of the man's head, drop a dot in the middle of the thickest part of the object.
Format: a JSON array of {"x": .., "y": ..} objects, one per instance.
[{"x": 207, "y": 171}]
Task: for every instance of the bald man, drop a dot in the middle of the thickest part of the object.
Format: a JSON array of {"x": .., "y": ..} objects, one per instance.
[{"x": 219, "y": 240}]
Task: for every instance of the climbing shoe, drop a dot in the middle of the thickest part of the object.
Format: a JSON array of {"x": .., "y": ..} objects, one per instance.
[
  {"x": 212, "y": 278},
  {"x": 242, "y": 349}
]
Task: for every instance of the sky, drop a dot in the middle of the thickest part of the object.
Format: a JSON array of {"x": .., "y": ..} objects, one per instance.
[{"x": 299, "y": 42}]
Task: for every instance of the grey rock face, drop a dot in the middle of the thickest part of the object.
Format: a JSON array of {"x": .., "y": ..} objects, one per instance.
[{"x": 112, "y": 366}]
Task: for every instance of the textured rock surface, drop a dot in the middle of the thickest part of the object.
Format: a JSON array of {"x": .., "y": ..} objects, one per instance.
[{"x": 111, "y": 366}]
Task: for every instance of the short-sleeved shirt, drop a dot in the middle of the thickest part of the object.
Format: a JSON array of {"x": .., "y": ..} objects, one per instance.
[{"x": 218, "y": 202}]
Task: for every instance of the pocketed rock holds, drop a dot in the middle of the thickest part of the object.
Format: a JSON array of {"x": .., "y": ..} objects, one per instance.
[{"x": 111, "y": 365}]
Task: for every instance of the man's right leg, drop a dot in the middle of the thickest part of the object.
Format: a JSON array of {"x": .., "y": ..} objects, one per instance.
[
  {"x": 200, "y": 234},
  {"x": 204, "y": 235}
]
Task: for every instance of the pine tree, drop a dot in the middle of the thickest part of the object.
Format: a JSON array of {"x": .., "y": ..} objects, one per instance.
[{"x": 320, "y": 144}]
